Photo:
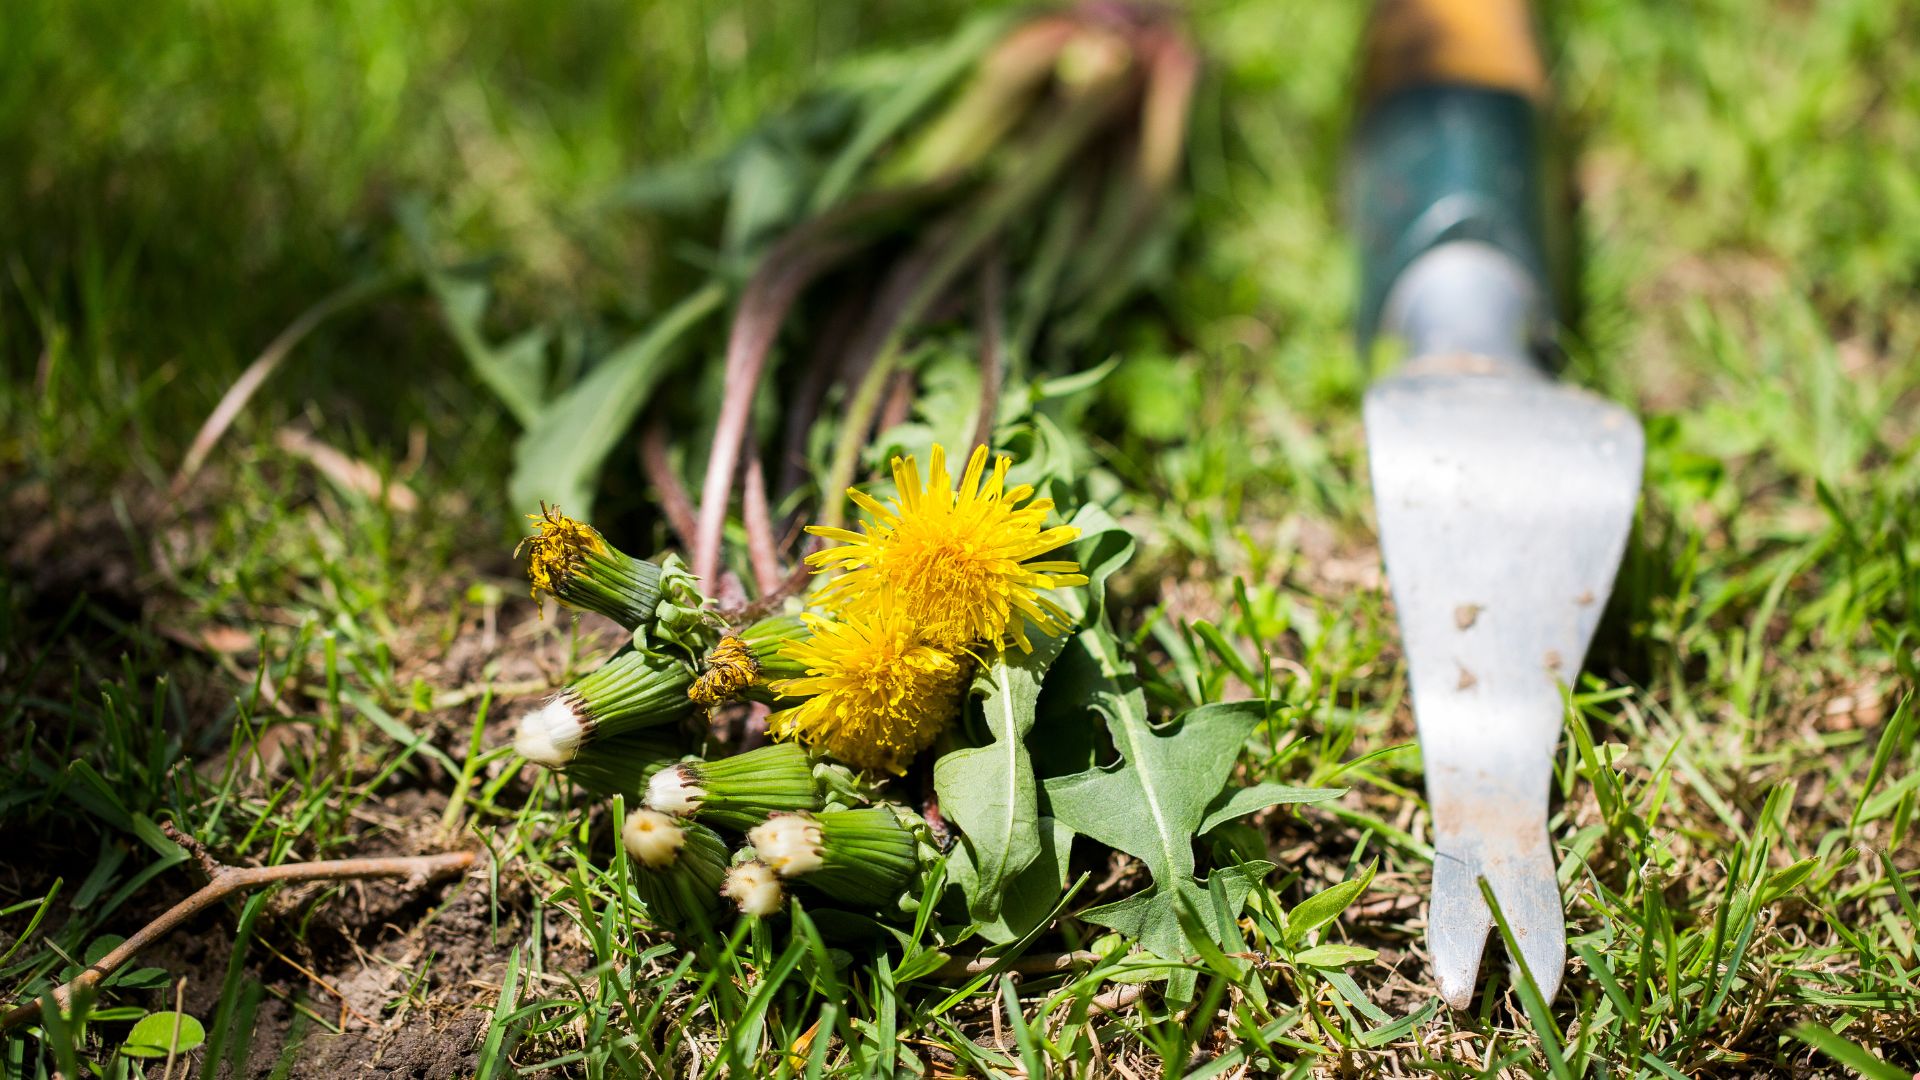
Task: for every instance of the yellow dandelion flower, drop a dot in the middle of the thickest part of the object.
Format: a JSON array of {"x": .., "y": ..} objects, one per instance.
[
  {"x": 876, "y": 694},
  {"x": 955, "y": 561}
]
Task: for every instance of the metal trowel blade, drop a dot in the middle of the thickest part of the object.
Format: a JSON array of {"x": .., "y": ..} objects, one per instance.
[{"x": 1504, "y": 505}]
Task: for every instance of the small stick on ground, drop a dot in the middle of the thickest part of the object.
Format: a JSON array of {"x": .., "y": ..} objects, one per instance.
[
  {"x": 345, "y": 1005},
  {"x": 228, "y": 880}
]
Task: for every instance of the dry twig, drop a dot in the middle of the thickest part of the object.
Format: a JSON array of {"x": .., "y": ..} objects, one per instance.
[{"x": 227, "y": 880}]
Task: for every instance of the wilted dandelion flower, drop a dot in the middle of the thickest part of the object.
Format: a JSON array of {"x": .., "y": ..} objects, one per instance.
[
  {"x": 743, "y": 664},
  {"x": 729, "y": 669},
  {"x": 955, "y": 561},
  {"x": 570, "y": 561},
  {"x": 876, "y": 694}
]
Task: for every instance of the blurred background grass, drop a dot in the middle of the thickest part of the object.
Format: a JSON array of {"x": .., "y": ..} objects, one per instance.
[{"x": 186, "y": 178}]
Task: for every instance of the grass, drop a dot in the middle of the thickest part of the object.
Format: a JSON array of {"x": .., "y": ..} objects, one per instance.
[{"x": 286, "y": 667}]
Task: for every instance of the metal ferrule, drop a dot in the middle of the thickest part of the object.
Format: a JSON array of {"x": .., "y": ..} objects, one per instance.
[{"x": 1468, "y": 307}]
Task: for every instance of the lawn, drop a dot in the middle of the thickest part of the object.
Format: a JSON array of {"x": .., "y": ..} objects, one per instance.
[{"x": 315, "y": 644}]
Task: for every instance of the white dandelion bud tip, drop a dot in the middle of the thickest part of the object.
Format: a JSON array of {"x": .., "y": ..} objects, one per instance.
[
  {"x": 754, "y": 887},
  {"x": 673, "y": 791},
  {"x": 653, "y": 838},
  {"x": 551, "y": 734},
  {"x": 789, "y": 843}
]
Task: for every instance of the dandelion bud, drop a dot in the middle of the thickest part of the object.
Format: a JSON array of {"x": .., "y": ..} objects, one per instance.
[
  {"x": 678, "y": 865},
  {"x": 789, "y": 843},
  {"x": 570, "y": 561},
  {"x": 755, "y": 889},
  {"x": 737, "y": 792},
  {"x": 551, "y": 735},
  {"x": 866, "y": 857},
  {"x": 653, "y": 838},
  {"x": 634, "y": 691}
]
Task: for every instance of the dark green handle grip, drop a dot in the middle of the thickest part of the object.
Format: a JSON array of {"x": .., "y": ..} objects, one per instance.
[{"x": 1435, "y": 163}]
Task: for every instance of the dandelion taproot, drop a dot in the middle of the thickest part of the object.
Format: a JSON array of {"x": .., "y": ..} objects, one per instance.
[
  {"x": 954, "y": 561},
  {"x": 875, "y": 693}
]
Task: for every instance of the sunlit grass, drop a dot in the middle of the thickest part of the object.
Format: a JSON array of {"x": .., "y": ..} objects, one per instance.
[{"x": 1735, "y": 820}]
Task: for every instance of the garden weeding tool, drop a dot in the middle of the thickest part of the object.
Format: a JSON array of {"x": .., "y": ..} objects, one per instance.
[{"x": 1504, "y": 498}]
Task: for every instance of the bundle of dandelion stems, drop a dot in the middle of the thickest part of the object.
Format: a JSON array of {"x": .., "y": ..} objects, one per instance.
[
  {"x": 1053, "y": 148},
  {"x": 1056, "y": 155}
]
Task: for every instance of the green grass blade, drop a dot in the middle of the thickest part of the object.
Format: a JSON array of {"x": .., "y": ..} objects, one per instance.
[
  {"x": 1535, "y": 1003},
  {"x": 493, "y": 1050},
  {"x": 227, "y": 1024},
  {"x": 1852, "y": 1055},
  {"x": 1022, "y": 1034}
]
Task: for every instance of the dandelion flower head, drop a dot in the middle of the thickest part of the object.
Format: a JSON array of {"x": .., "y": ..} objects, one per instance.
[
  {"x": 953, "y": 561},
  {"x": 875, "y": 693}
]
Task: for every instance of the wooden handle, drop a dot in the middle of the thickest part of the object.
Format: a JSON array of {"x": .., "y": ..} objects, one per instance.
[{"x": 1485, "y": 43}]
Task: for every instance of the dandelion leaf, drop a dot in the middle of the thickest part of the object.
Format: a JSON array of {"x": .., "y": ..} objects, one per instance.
[
  {"x": 558, "y": 458},
  {"x": 1030, "y": 896},
  {"x": 1103, "y": 548},
  {"x": 1151, "y": 803},
  {"x": 988, "y": 792},
  {"x": 1239, "y": 802}
]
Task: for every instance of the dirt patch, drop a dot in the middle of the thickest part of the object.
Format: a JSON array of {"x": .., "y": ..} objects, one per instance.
[
  {"x": 443, "y": 1048},
  {"x": 407, "y": 973},
  {"x": 415, "y": 999}
]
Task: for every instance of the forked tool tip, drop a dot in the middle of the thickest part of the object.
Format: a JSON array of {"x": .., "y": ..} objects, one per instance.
[{"x": 1459, "y": 920}]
